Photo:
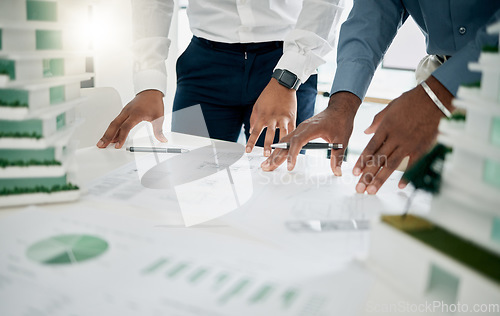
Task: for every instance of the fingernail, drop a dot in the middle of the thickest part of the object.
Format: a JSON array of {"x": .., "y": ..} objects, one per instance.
[
  {"x": 117, "y": 145},
  {"x": 360, "y": 188},
  {"x": 267, "y": 153},
  {"x": 402, "y": 185},
  {"x": 289, "y": 165},
  {"x": 356, "y": 171},
  {"x": 338, "y": 171},
  {"x": 248, "y": 150},
  {"x": 163, "y": 139},
  {"x": 371, "y": 189},
  {"x": 265, "y": 164},
  {"x": 100, "y": 143}
]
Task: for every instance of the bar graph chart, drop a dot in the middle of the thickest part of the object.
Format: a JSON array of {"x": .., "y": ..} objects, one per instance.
[
  {"x": 160, "y": 272},
  {"x": 228, "y": 287}
]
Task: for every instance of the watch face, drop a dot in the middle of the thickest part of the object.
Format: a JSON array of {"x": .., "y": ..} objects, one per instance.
[{"x": 288, "y": 78}]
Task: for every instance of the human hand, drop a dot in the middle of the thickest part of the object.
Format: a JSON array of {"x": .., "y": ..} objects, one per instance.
[
  {"x": 275, "y": 108},
  {"x": 408, "y": 126},
  {"x": 334, "y": 125},
  {"x": 146, "y": 106}
]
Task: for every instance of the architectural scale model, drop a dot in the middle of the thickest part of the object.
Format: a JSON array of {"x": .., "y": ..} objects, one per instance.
[
  {"x": 42, "y": 62},
  {"x": 452, "y": 254}
]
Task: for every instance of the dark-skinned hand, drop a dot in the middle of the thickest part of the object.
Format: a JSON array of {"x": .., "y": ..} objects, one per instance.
[
  {"x": 146, "y": 106},
  {"x": 334, "y": 125},
  {"x": 408, "y": 126},
  {"x": 275, "y": 108}
]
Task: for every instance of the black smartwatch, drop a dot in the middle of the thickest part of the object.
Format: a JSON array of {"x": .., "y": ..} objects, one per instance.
[{"x": 287, "y": 78}]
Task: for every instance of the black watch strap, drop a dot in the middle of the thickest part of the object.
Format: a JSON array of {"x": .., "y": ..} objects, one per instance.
[{"x": 287, "y": 78}]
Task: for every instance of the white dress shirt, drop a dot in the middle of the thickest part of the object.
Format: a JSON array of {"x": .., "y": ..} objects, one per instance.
[{"x": 307, "y": 28}]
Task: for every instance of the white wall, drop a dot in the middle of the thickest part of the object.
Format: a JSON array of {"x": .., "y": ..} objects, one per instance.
[{"x": 112, "y": 34}]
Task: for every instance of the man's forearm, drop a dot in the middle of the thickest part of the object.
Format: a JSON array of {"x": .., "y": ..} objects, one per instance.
[
  {"x": 346, "y": 103},
  {"x": 364, "y": 38}
]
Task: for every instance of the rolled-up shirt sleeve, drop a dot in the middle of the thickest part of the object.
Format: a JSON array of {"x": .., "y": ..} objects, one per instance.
[
  {"x": 456, "y": 70},
  {"x": 312, "y": 38},
  {"x": 151, "y": 21},
  {"x": 364, "y": 38}
]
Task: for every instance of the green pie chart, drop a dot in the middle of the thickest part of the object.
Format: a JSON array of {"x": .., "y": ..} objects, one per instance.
[{"x": 67, "y": 249}]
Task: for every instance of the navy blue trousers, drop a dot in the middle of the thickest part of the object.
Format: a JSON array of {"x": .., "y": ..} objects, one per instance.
[{"x": 226, "y": 80}]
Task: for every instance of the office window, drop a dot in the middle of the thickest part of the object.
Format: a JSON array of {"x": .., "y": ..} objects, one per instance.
[
  {"x": 60, "y": 121},
  {"x": 26, "y": 154},
  {"x": 41, "y": 10},
  {"x": 57, "y": 94},
  {"x": 10, "y": 97},
  {"x": 495, "y": 131},
  {"x": 89, "y": 67},
  {"x": 13, "y": 184},
  {"x": 495, "y": 231},
  {"x": 407, "y": 49},
  {"x": 8, "y": 67},
  {"x": 491, "y": 172},
  {"x": 53, "y": 67},
  {"x": 442, "y": 284},
  {"x": 46, "y": 39},
  {"x": 27, "y": 127}
]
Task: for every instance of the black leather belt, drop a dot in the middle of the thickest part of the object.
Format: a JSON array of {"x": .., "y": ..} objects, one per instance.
[{"x": 262, "y": 47}]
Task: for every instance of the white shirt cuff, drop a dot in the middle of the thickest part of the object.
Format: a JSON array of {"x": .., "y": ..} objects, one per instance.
[
  {"x": 298, "y": 64},
  {"x": 150, "y": 80}
]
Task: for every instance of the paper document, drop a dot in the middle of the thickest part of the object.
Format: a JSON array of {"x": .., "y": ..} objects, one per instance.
[
  {"x": 88, "y": 262},
  {"x": 203, "y": 184}
]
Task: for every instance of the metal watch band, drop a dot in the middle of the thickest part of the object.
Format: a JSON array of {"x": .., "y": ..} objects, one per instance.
[{"x": 286, "y": 78}]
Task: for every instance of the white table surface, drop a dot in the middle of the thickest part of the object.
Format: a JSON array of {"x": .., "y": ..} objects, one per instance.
[{"x": 94, "y": 162}]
